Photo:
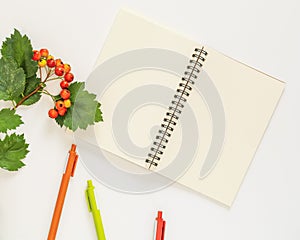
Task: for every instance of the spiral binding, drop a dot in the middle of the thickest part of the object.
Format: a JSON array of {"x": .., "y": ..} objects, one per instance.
[{"x": 175, "y": 109}]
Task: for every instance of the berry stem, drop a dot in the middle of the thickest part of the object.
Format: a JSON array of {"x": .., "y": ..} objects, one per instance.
[
  {"x": 40, "y": 69},
  {"x": 28, "y": 96},
  {"x": 49, "y": 73},
  {"x": 52, "y": 79},
  {"x": 13, "y": 103},
  {"x": 41, "y": 85},
  {"x": 44, "y": 91}
]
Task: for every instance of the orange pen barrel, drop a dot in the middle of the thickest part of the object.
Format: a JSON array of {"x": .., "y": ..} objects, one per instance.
[{"x": 70, "y": 168}]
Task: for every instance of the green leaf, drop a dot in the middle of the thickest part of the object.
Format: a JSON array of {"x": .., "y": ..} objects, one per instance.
[
  {"x": 60, "y": 120},
  {"x": 12, "y": 79},
  {"x": 13, "y": 149},
  {"x": 98, "y": 115},
  {"x": 31, "y": 84},
  {"x": 84, "y": 110},
  {"x": 9, "y": 120},
  {"x": 19, "y": 48}
]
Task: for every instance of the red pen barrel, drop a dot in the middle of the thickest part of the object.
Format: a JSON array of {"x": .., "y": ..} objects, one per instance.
[{"x": 160, "y": 227}]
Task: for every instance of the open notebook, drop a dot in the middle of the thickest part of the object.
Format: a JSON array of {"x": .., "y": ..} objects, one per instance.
[{"x": 176, "y": 107}]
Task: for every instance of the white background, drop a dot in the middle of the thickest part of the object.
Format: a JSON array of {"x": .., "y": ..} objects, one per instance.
[{"x": 262, "y": 34}]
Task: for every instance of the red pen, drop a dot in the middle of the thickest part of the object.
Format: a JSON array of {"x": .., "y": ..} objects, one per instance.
[{"x": 160, "y": 227}]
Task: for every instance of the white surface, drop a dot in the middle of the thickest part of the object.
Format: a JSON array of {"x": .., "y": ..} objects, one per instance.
[{"x": 264, "y": 35}]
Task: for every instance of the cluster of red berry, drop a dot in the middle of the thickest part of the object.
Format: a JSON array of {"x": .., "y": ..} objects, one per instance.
[{"x": 62, "y": 71}]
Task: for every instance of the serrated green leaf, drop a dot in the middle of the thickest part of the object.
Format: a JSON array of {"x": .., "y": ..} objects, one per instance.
[
  {"x": 19, "y": 48},
  {"x": 31, "y": 84},
  {"x": 13, "y": 149},
  {"x": 12, "y": 79},
  {"x": 60, "y": 120},
  {"x": 9, "y": 120},
  {"x": 84, "y": 110},
  {"x": 98, "y": 115}
]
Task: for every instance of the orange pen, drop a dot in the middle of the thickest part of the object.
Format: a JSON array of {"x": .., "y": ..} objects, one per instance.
[{"x": 69, "y": 172}]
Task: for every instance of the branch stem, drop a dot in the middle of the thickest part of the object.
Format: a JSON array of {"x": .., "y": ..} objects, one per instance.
[{"x": 28, "y": 96}]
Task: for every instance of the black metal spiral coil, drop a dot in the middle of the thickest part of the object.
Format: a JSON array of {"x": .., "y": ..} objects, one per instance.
[{"x": 175, "y": 109}]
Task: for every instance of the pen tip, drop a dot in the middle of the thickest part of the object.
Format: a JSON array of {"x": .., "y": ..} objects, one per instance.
[
  {"x": 90, "y": 183},
  {"x": 159, "y": 214},
  {"x": 73, "y": 147}
]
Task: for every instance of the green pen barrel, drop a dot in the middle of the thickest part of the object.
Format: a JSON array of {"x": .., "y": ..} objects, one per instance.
[
  {"x": 99, "y": 225},
  {"x": 92, "y": 205}
]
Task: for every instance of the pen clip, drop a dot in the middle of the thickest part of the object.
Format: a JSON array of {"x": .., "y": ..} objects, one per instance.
[
  {"x": 88, "y": 200},
  {"x": 163, "y": 230},
  {"x": 74, "y": 165}
]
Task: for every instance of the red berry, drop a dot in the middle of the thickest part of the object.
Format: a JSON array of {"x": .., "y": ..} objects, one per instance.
[
  {"x": 44, "y": 52},
  {"x": 69, "y": 77},
  {"x": 59, "y": 104},
  {"x": 59, "y": 63},
  {"x": 64, "y": 84},
  {"x": 36, "y": 55},
  {"x": 51, "y": 63},
  {"x": 59, "y": 71},
  {"x": 65, "y": 94},
  {"x": 62, "y": 111},
  {"x": 53, "y": 113}
]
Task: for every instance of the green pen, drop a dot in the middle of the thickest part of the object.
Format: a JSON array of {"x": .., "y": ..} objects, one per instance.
[{"x": 92, "y": 206}]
